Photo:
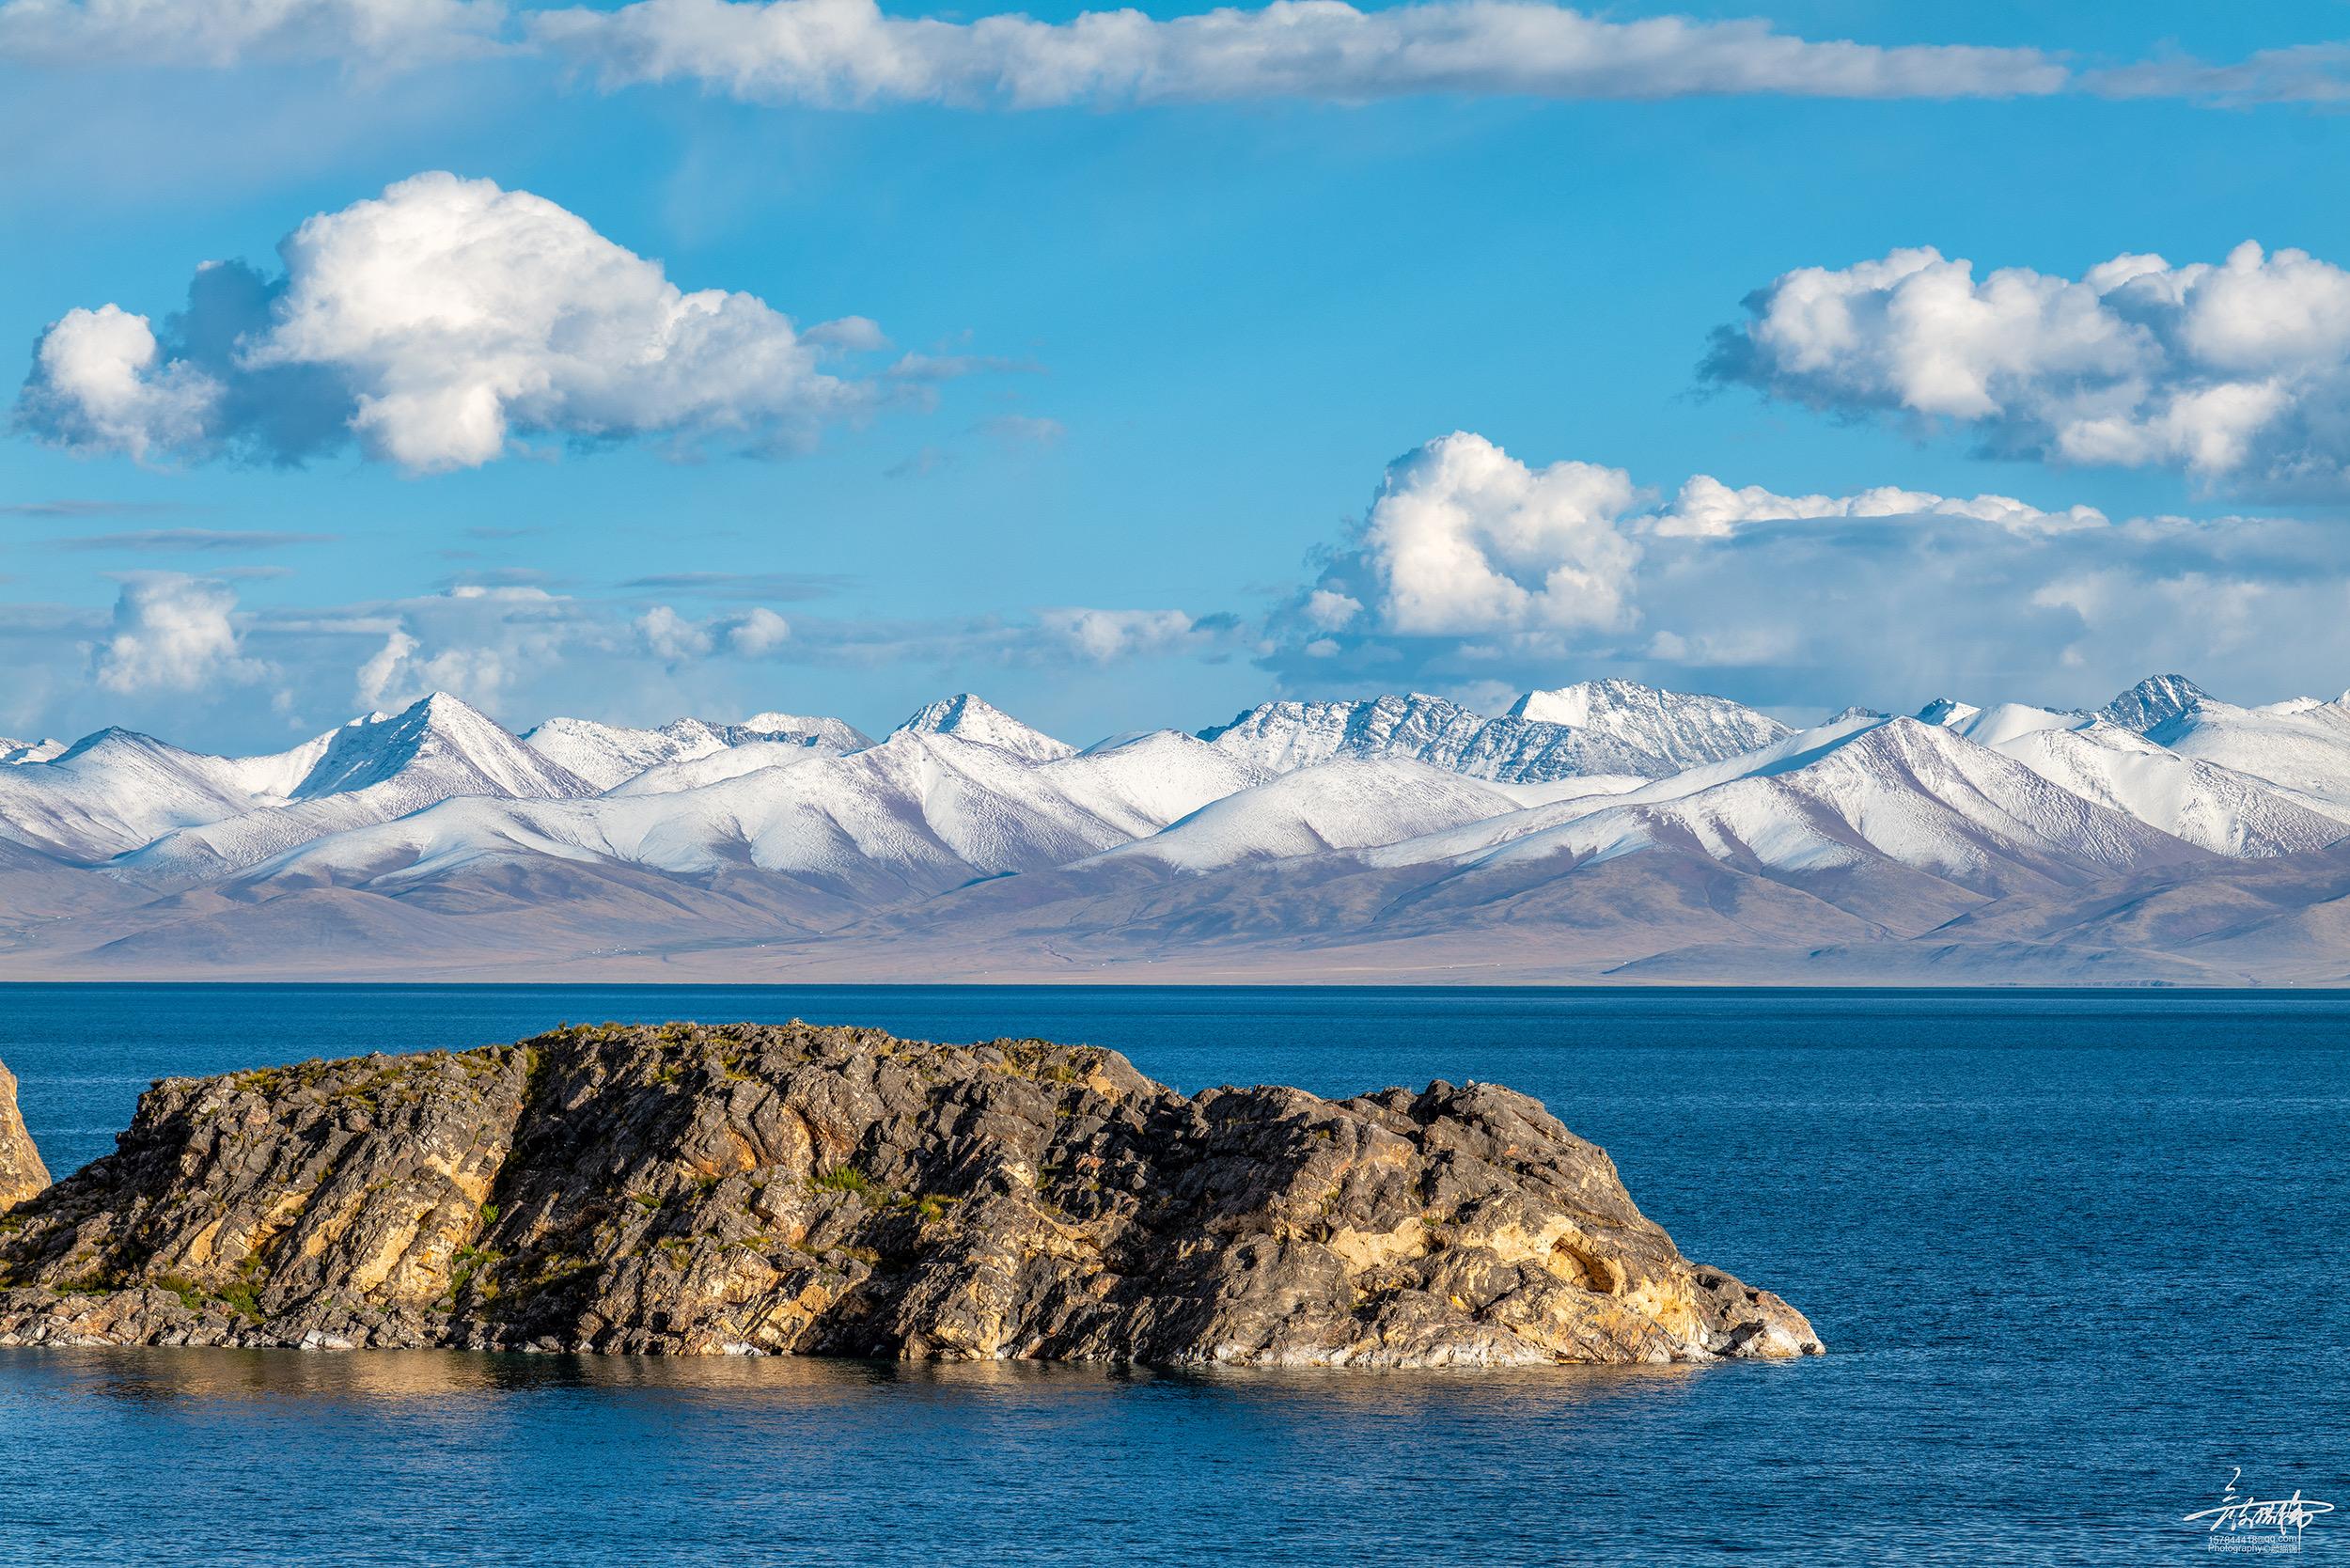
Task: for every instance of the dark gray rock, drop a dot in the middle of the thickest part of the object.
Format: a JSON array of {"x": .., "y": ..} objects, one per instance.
[{"x": 836, "y": 1191}]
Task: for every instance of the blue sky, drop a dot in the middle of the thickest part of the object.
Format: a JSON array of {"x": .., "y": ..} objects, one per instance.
[{"x": 1201, "y": 333}]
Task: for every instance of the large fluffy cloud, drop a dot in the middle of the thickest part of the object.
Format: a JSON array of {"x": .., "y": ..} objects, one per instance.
[
  {"x": 1472, "y": 568},
  {"x": 173, "y": 633},
  {"x": 1466, "y": 540},
  {"x": 1464, "y": 544},
  {"x": 2237, "y": 373},
  {"x": 101, "y": 382},
  {"x": 435, "y": 325}
]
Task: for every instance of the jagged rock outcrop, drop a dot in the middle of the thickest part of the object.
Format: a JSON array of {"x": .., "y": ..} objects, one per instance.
[
  {"x": 794, "y": 1189},
  {"x": 1594, "y": 727},
  {"x": 22, "y": 1174},
  {"x": 2154, "y": 702}
]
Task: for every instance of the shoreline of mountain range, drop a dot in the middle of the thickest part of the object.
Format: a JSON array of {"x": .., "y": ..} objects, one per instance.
[{"x": 1603, "y": 832}]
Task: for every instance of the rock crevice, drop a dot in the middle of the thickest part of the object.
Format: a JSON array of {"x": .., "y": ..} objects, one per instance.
[{"x": 791, "y": 1189}]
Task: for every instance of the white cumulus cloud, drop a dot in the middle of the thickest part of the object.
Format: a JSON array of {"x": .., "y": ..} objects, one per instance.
[
  {"x": 1103, "y": 637},
  {"x": 173, "y": 633},
  {"x": 758, "y": 632},
  {"x": 676, "y": 639},
  {"x": 99, "y": 382},
  {"x": 1328, "y": 611},
  {"x": 2237, "y": 373},
  {"x": 671, "y": 638},
  {"x": 385, "y": 666},
  {"x": 1465, "y": 540},
  {"x": 437, "y": 324},
  {"x": 1472, "y": 567}
]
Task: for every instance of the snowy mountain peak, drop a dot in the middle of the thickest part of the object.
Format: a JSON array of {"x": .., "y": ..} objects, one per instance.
[
  {"x": 113, "y": 738},
  {"x": 1409, "y": 819},
  {"x": 2001, "y": 722},
  {"x": 970, "y": 718},
  {"x": 1625, "y": 728},
  {"x": 1563, "y": 704},
  {"x": 2154, "y": 701},
  {"x": 439, "y": 746},
  {"x": 829, "y": 734},
  {"x": 115, "y": 755},
  {"x": 608, "y": 755},
  {"x": 1348, "y": 803},
  {"x": 1681, "y": 729},
  {"x": 1280, "y": 736}
]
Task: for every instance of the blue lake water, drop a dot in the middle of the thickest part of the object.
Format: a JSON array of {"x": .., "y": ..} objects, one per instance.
[{"x": 2076, "y": 1258}]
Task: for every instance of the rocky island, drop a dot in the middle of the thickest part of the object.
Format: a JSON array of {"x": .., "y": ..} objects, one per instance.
[{"x": 794, "y": 1189}]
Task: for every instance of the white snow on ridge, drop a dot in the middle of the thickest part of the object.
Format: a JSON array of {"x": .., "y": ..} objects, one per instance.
[
  {"x": 2103, "y": 761},
  {"x": 1988, "y": 796},
  {"x": 115, "y": 791},
  {"x": 12, "y": 752},
  {"x": 118, "y": 790},
  {"x": 468, "y": 830},
  {"x": 1910, "y": 791},
  {"x": 1345, "y": 803},
  {"x": 1155, "y": 777},
  {"x": 1623, "y": 727},
  {"x": 1474, "y": 840},
  {"x": 2000, "y": 723},
  {"x": 1683, "y": 729},
  {"x": 2153, "y": 701},
  {"x": 1948, "y": 713},
  {"x": 370, "y": 771},
  {"x": 1282, "y": 736},
  {"x": 1581, "y": 787},
  {"x": 920, "y": 806},
  {"x": 1798, "y": 749},
  {"x": 2210, "y": 806},
  {"x": 608, "y": 755},
  {"x": 970, "y": 718},
  {"x": 434, "y": 749},
  {"x": 669, "y": 778},
  {"x": 2302, "y": 748},
  {"x": 825, "y": 734},
  {"x": 1795, "y": 751}
]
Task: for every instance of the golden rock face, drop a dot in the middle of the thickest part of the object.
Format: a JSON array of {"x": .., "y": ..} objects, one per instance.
[
  {"x": 22, "y": 1174},
  {"x": 788, "y": 1189}
]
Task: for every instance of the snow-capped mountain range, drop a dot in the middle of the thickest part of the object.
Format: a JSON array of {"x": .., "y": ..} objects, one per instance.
[
  {"x": 1595, "y": 726},
  {"x": 1602, "y": 830}
]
